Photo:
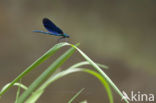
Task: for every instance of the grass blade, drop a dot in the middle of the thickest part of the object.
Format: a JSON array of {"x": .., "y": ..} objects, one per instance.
[
  {"x": 46, "y": 74},
  {"x": 101, "y": 72},
  {"x": 59, "y": 75},
  {"x": 18, "y": 91},
  {"x": 77, "y": 65},
  {"x": 48, "y": 54},
  {"x": 104, "y": 82},
  {"x": 16, "y": 84},
  {"x": 75, "y": 96}
]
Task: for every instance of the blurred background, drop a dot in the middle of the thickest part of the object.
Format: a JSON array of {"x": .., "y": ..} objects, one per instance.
[{"x": 119, "y": 34}]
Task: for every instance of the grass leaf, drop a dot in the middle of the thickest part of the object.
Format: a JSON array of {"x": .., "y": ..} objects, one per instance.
[
  {"x": 45, "y": 75},
  {"x": 77, "y": 65},
  {"x": 40, "y": 60},
  {"x": 101, "y": 72},
  {"x": 75, "y": 96},
  {"x": 65, "y": 73}
]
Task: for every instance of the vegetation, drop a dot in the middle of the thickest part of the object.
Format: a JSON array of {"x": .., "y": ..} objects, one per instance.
[{"x": 32, "y": 93}]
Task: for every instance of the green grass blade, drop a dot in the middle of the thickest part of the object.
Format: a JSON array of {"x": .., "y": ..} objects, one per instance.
[
  {"x": 46, "y": 74},
  {"x": 17, "y": 94},
  {"x": 104, "y": 82},
  {"x": 35, "y": 96},
  {"x": 59, "y": 75},
  {"x": 101, "y": 72},
  {"x": 77, "y": 65},
  {"x": 75, "y": 96},
  {"x": 16, "y": 84},
  {"x": 18, "y": 91},
  {"x": 48, "y": 54},
  {"x": 21, "y": 86}
]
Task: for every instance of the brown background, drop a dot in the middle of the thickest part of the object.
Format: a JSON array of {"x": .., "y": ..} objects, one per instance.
[{"x": 120, "y": 34}]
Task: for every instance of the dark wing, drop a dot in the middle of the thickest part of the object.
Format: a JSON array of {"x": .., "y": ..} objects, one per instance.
[{"x": 51, "y": 27}]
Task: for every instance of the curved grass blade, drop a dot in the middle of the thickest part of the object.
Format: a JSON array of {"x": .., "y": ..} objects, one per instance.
[
  {"x": 77, "y": 65},
  {"x": 104, "y": 82},
  {"x": 45, "y": 75},
  {"x": 101, "y": 72},
  {"x": 40, "y": 60},
  {"x": 40, "y": 90},
  {"x": 15, "y": 84}
]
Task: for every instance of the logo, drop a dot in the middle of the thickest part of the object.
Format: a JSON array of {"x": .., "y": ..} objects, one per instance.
[{"x": 138, "y": 97}]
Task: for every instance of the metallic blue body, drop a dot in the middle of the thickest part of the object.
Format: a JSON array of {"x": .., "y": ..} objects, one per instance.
[{"x": 52, "y": 29}]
